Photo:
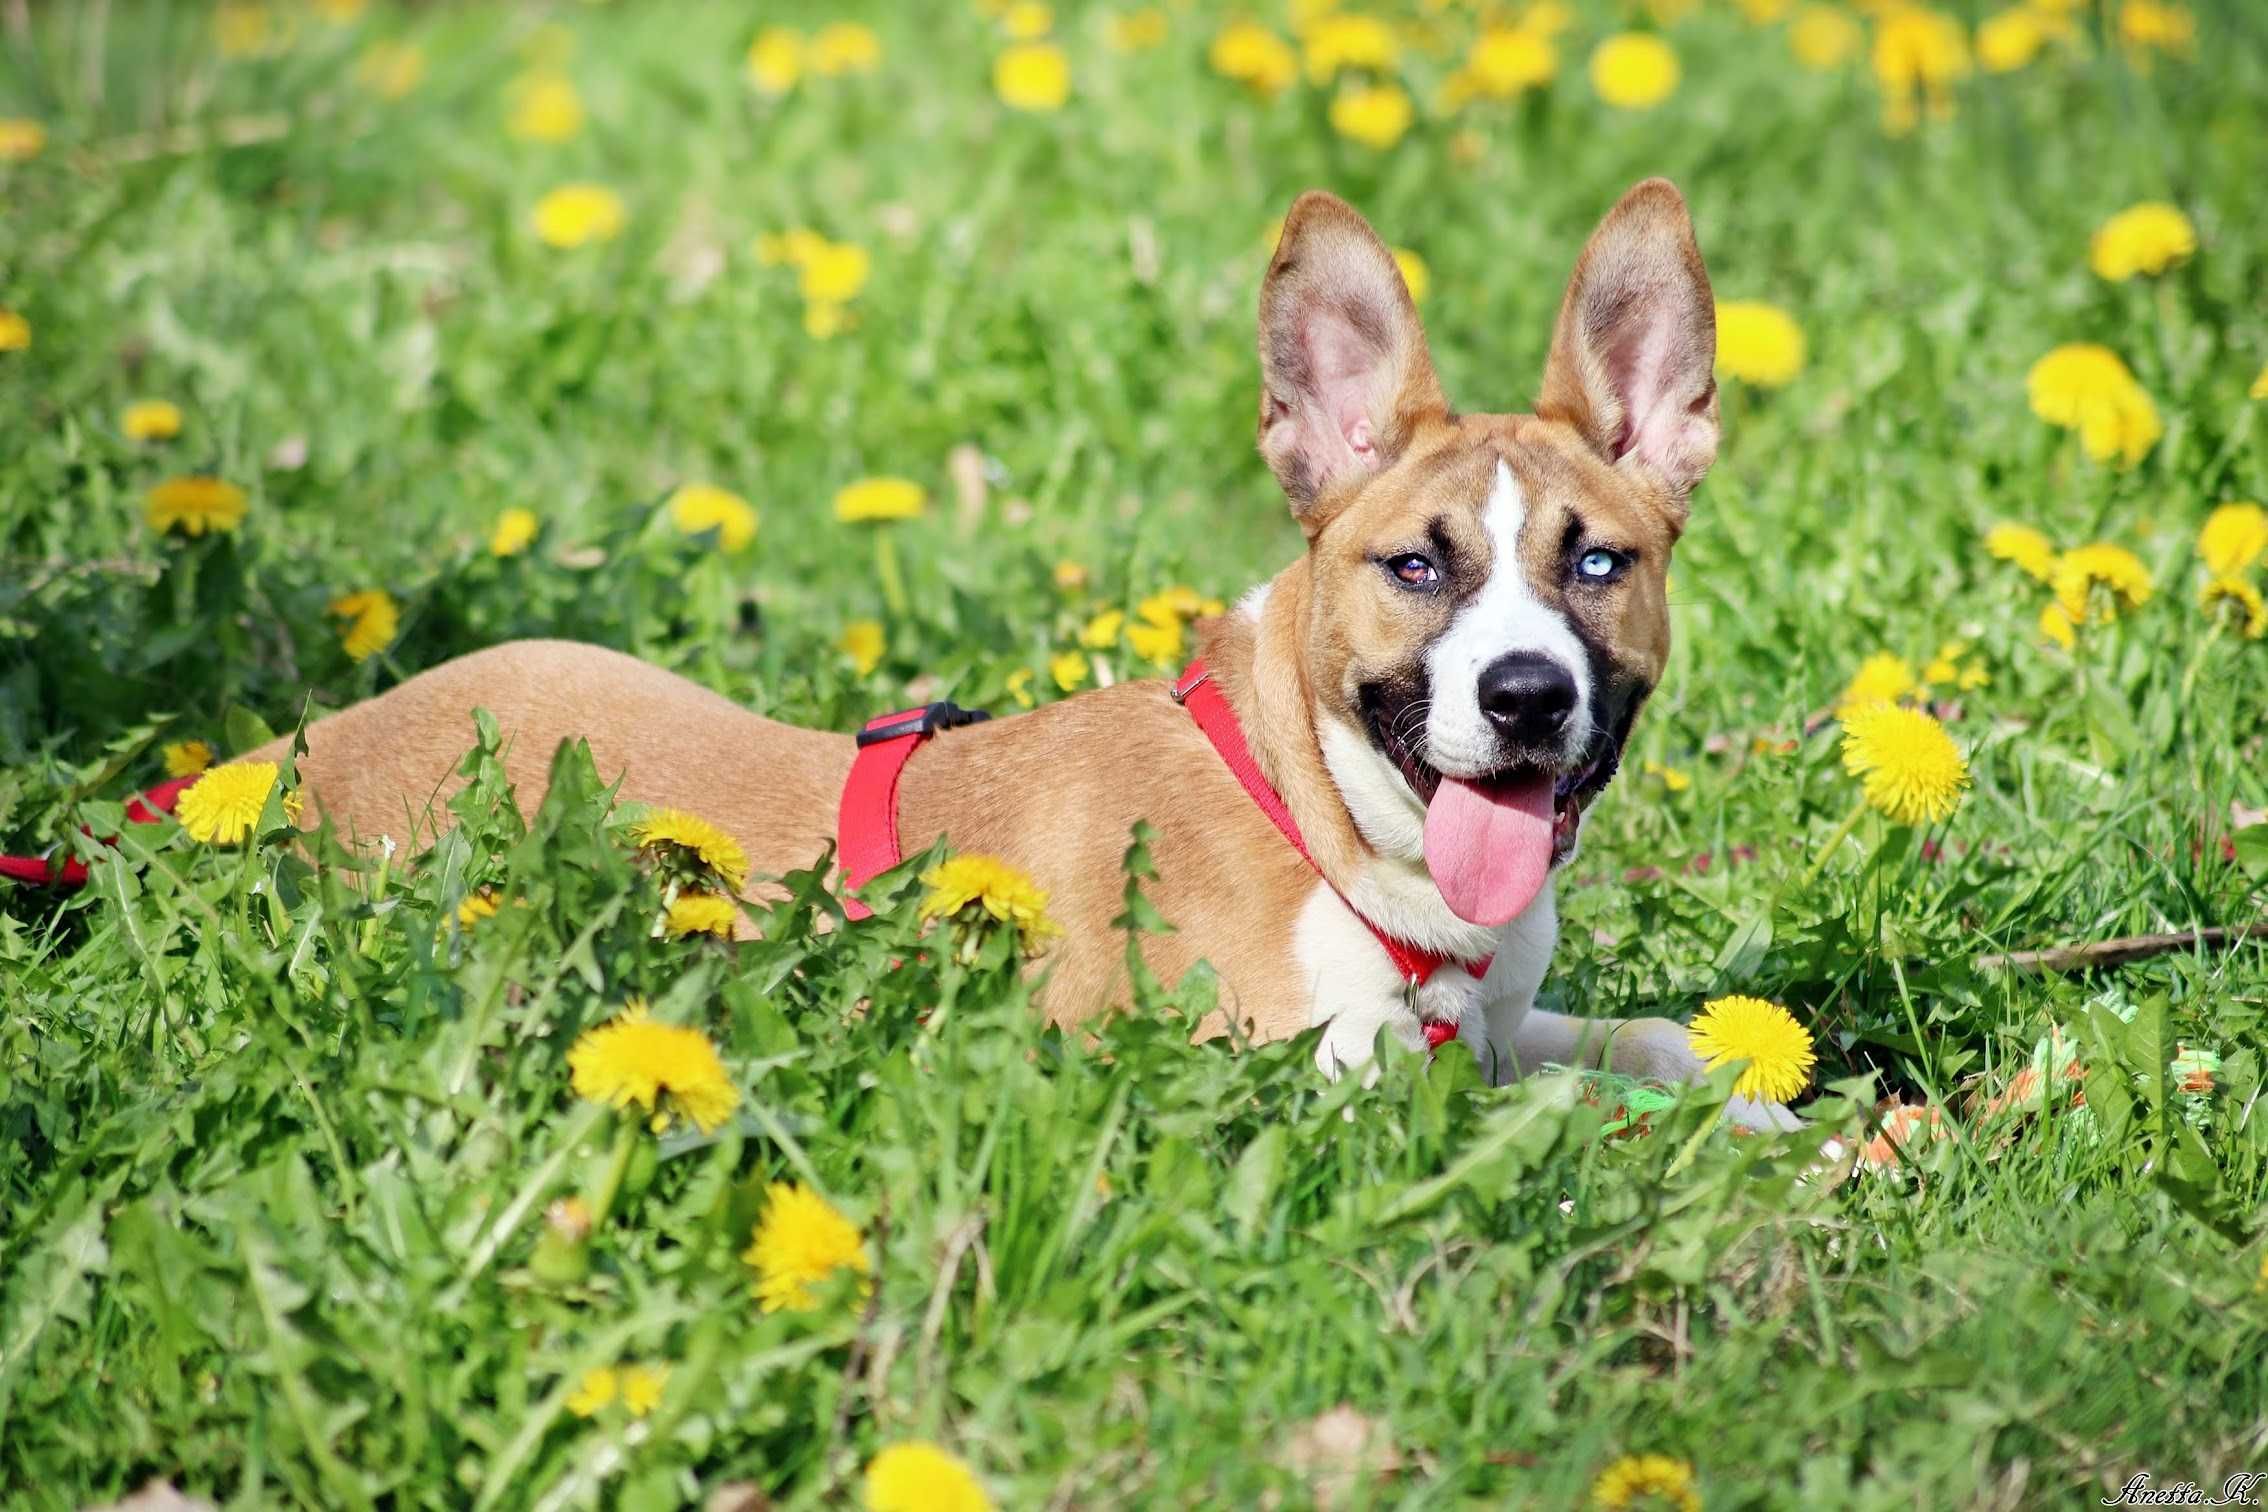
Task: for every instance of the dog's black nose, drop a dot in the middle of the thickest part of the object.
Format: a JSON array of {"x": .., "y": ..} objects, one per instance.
[{"x": 1527, "y": 696}]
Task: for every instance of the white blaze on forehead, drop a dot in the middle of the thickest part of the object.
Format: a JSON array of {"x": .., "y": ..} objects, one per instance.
[{"x": 1504, "y": 617}]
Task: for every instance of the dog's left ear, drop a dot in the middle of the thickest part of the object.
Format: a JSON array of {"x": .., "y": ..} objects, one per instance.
[
  {"x": 1633, "y": 360},
  {"x": 1344, "y": 374}
]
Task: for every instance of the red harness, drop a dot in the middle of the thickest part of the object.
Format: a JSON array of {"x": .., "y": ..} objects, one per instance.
[
  {"x": 866, "y": 821},
  {"x": 145, "y": 809}
]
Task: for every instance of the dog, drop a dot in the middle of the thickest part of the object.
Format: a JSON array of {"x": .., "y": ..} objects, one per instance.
[{"x": 1437, "y": 689}]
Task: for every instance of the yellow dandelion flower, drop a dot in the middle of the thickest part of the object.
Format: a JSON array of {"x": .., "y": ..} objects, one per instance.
[
  {"x": 151, "y": 420},
  {"x": 918, "y": 1476},
  {"x": 775, "y": 60},
  {"x": 1909, "y": 769},
  {"x": 669, "y": 830},
  {"x": 2146, "y": 238},
  {"x": 1945, "y": 666},
  {"x": 476, "y": 907},
  {"x": 1416, "y": 276},
  {"x": 1634, "y": 71},
  {"x": 2146, "y": 26},
  {"x": 15, "y": 331},
  {"x": 799, "y": 1242},
  {"x": 2030, "y": 550},
  {"x": 194, "y": 505},
  {"x": 2058, "y": 627},
  {"x": 1346, "y": 40},
  {"x": 1376, "y": 115},
  {"x": 989, "y": 883},
  {"x": 1764, "y": 12},
  {"x": 21, "y": 140},
  {"x": 1027, "y": 20},
  {"x": 697, "y": 508},
  {"x": 593, "y": 1393},
  {"x": 1019, "y": 686},
  {"x": 1919, "y": 54},
  {"x": 340, "y": 12},
  {"x": 1758, "y": 343},
  {"x": 795, "y": 246},
  {"x": 2233, "y": 537},
  {"x": 576, "y": 215},
  {"x": 2240, "y": 593},
  {"x": 372, "y": 619},
  {"x": 1160, "y": 645},
  {"x": 2085, "y": 387},
  {"x": 1033, "y": 77},
  {"x": 844, "y": 47},
  {"x": 1069, "y": 669},
  {"x": 242, "y": 30},
  {"x": 1672, "y": 779},
  {"x": 700, "y": 913},
  {"x": 2010, "y": 40},
  {"x": 632, "y": 1059},
  {"x": 1637, "y": 1479},
  {"x": 642, "y": 1388},
  {"x": 545, "y": 108},
  {"x": 1101, "y": 632},
  {"x": 1884, "y": 677},
  {"x": 2080, "y": 571},
  {"x": 834, "y": 273},
  {"x": 1138, "y": 31},
  {"x": 880, "y": 499},
  {"x": 221, "y": 807},
  {"x": 1822, "y": 37},
  {"x": 862, "y": 641},
  {"x": 1069, "y": 576},
  {"x": 515, "y": 532},
  {"x": 186, "y": 758},
  {"x": 1253, "y": 56},
  {"x": 824, "y": 322},
  {"x": 2259, "y": 389},
  {"x": 1505, "y": 61},
  {"x": 390, "y": 70}
]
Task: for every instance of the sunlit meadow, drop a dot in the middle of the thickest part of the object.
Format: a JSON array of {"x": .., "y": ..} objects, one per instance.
[{"x": 838, "y": 359}]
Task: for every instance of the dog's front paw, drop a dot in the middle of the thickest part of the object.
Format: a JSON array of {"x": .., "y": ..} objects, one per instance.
[{"x": 1663, "y": 1050}]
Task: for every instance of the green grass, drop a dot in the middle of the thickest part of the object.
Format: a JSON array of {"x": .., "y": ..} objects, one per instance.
[{"x": 279, "y": 1138}]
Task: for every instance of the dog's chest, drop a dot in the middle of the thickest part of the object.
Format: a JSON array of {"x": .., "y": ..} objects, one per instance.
[{"x": 1353, "y": 986}]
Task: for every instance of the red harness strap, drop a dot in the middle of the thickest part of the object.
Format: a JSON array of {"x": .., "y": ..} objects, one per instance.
[
  {"x": 145, "y": 809},
  {"x": 1196, "y": 691},
  {"x": 866, "y": 820}
]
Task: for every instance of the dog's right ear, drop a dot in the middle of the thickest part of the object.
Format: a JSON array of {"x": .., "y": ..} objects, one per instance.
[{"x": 1344, "y": 373}]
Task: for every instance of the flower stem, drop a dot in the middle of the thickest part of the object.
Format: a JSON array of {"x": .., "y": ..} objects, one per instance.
[
  {"x": 1835, "y": 842},
  {"x": 886, "y": 571},
  {"x": 610, "y": 1185}
]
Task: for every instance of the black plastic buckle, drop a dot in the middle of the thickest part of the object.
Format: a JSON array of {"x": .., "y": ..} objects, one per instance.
[{"x": 926, "y": 720}]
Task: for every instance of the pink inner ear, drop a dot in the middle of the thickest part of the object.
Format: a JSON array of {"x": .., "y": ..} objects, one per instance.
[
  {"x": 1345, "y": 367},
  {"x": 1674, "y": 437}
]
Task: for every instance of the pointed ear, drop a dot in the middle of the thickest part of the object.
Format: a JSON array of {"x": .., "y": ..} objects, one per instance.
[
  {"x": 1633, "y": 360},
  {"x": 1344, "y": 374}
]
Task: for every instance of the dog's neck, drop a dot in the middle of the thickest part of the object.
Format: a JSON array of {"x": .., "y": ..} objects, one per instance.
[{"x": 1327, "y": 771}]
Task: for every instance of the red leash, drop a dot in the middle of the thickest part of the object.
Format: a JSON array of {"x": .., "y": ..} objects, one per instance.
[{"x": 146, "y": 809}]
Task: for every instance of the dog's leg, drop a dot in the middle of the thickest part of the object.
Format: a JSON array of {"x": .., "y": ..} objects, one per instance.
[{"x": 1657, "y": 1049}]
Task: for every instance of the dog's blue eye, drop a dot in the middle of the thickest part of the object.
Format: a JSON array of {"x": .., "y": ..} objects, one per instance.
[
  {"x": 1413, "y": 571},
  {"x": 1598, "y": 564}
]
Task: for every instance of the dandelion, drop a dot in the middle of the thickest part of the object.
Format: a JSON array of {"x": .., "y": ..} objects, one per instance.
[
  {"x": 2146, "y": 26},
  {"x": 2085, "y": 387},
  {"x": 918, "y": 1476},
  {"x": 1765, "y": 1035},
  {"x": 2056, "y": 626},
  {"x": 2146, "y": 238},
  {"x": 515, "y": 532},
  {"x": 674, "y": 832},
  {"x": 700, "y": 913},
  {"x": 1507, "y": 61},
  {"x": 1019, "y": 686},
  {"x": 992, "y": 885},
  {"x": 390, "y": 70},
  {"x": 1634, "y": 70},
  {"x": 593, "y": 1393},
  {"x": 632, "y": 1059},
  {"x": 545, "y": 108},
  {"x": 880, "y": 499},
  {"x": 186, "y": 758},
  {"x": 862, "y": 641},
  {"x": 575, "y": 215},
  {"x": 1032, "y": 76},
  {"x": 834, "y": 273},
  {"x": 1884, "y": 677},
  {"x": 1069, "y": 576},
  {"x": 476, "y": 907},
  {"x": 2259, "y": 389},
  {"x": 194, "y": 505},
  {"x": 2245, "y": 598},
  {"x": 221, "y": 807},
  {"x": 1909, "y": 769},
  {"x": 1638, "y": 1478},
  {"x": 1822, "y": 37},
  {"x": 21, "y": 140},
  {"x": 151, "y": 420},
  {"x": 844, "y": 47},
  {"x": 642, "y": 1388},
  {"x": 241, "y": 30},
  {"x": 1342, "y": 41},
  {"x": 2233, "y": 537},
  {"x": 1253, "y": 56},
  {"x": 795, "y": 246},
  {"x": 2080, "y": 571},
  {"x": 2010, "y": 40},
  {"x": 1101, "y": 632},
  {"x": 799, "y": 1242},
  {"x": 1376, "y": 115},
  {"x": 15, "y": 331},
  {"x": 1758, "y": 343},
  {"x": 1027, "y": 20},
  {"x": 775, "y": 60},
  {"x": 1138, "y": 31},
  {"x": 696, "y": 508},
  {"x": 1416, "y": 276},
  {"x": 1918, "y": 55},
  {"x": 1159, "y": 644},
  {"x": 2030, "y": 550},
  {"x": 372, "y": 619},
  {"x": 1069, "y": 670}
]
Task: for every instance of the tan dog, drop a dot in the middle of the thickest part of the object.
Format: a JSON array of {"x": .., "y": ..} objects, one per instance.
[{"x": 1436, "y": 688}]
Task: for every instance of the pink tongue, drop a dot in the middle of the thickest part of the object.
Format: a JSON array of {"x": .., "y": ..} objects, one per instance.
[{"x": 1489, "y": 848}]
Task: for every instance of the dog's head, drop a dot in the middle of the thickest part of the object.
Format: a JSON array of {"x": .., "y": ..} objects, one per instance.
[{"x": 1487, "y": 609}]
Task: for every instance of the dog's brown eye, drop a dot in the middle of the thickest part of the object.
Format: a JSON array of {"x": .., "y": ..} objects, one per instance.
[{"x": 1412, "y": 571}]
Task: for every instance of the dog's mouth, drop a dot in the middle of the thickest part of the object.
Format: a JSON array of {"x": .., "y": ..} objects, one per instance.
[{"x": 1572, "y": 788}]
